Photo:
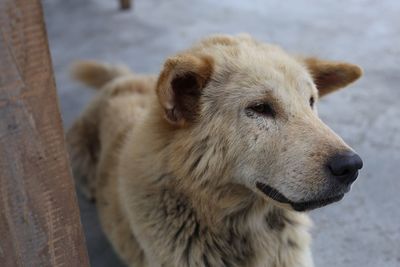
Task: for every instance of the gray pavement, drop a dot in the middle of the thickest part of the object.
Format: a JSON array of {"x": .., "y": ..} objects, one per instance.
[{"x": 361, "y": 230}]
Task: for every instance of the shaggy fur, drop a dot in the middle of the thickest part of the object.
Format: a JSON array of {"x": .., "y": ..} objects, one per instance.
[{"x": 178, "y": 164}]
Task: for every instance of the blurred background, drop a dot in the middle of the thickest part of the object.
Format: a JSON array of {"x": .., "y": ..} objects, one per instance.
[{"x": 364, "y": 228}]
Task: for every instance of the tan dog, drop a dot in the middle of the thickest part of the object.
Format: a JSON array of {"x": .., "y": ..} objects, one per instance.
[{"x": 214, "y": 162}]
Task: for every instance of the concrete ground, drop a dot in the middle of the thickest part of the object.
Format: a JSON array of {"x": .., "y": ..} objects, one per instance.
[{"x": 364, "y": 228}]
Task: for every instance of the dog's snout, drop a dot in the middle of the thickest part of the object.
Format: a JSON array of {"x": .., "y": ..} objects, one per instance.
[{"x": 345, "y": 166}]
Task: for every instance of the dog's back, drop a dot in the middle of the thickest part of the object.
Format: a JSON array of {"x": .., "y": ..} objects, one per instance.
[
  {"x": 97, "y": 136},
  {"x": 119, "y": 104}
]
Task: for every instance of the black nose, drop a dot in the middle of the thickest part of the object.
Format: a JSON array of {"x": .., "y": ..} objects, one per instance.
[{"x": 345, "y": 166}]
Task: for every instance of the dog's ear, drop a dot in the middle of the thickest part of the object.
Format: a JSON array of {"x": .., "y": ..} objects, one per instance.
[
  {"x": 180, "y": 85},
  {"x": 330, "y": 76}
]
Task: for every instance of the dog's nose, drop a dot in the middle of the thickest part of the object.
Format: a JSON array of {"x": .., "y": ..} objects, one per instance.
[{"x": 345, "y": 166}]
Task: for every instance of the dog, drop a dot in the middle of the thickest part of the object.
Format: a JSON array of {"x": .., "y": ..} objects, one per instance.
[{"x": 215, "y": 161}]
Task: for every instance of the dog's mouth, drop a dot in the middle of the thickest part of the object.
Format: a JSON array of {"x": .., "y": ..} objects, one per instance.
[{"x": 298, "y": 206}]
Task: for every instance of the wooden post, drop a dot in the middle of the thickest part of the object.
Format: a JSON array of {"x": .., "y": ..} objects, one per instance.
[
  {"x": 125, "y": 4},
  {"x": 39, "y": 216}
]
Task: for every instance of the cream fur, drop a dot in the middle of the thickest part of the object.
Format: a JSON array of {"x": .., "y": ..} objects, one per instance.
[{"x": 173, "y": 170}]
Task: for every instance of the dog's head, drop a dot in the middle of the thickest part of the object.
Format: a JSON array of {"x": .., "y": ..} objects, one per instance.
[{"x": 246, "y": 112}]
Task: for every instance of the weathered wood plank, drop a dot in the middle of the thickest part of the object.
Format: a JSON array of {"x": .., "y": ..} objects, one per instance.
[{"x": 39, "y": 216}]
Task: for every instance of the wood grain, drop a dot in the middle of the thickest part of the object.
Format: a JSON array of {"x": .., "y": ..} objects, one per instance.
[{"x": 39, "y": 216}]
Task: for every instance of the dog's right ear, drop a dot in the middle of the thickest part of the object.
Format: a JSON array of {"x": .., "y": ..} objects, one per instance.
[{"x": 180, "y": 85}]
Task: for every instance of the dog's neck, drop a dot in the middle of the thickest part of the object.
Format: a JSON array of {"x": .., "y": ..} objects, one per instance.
[
  {"x": 229, "y": 204},
  {"x": 239, "y": 228}
]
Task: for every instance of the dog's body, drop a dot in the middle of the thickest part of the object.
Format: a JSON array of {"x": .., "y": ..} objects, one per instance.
[{"x": 165, "y": 163}]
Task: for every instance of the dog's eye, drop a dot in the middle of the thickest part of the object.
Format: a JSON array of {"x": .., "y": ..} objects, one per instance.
[
  {"x": 263, "y": 109},
  {"x": 312, "y": 101}
]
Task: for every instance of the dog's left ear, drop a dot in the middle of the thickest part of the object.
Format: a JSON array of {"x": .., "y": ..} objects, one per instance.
[
  {"x": 180, "y": 85},
  {"x": 330, "y": 76}
]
